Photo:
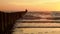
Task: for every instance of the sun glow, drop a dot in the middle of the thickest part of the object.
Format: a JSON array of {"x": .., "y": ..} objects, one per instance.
[{"x": 31, "y": 5}]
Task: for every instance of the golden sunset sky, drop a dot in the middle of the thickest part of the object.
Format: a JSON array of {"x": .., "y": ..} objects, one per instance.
[{"x": 31, "y": 5}]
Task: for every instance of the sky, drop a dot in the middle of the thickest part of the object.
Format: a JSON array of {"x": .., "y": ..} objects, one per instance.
[{"x": 31, "y": 5}]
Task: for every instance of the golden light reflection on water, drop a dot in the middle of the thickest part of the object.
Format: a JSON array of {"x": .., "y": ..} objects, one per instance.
[{"x": 37, "y": 31}]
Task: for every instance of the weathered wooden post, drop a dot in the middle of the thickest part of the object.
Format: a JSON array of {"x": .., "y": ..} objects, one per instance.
[{"x": 7, "y": 21}]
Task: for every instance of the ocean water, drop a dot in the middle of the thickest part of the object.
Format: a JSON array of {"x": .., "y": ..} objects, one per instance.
[
  {"x": 37, "y": 31},
  {"x": 41, "y": 15},
  {"x": 38, "y": 23}
]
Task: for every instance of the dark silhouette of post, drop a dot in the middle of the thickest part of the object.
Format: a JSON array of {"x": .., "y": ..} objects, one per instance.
[
  {"x": 7, "y": 20},
  {"x": 26, "y": 10}
]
